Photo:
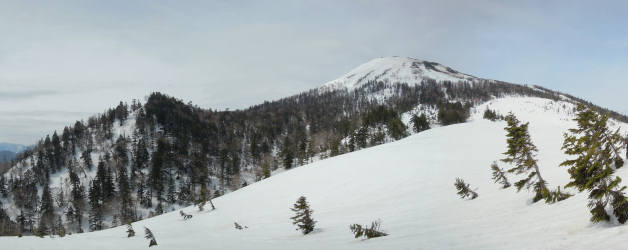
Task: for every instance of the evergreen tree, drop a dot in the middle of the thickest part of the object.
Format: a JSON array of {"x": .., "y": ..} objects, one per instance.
[
  {"x": 464, "y": 191},
  {"x": 288, "y": 159},
  {"x": 521, "y": 154},
  {"x": 396, "y": 128},
  {"x": 95, "y": 213},
  {"x": 126, "y": 201},
  {"x": 87, "y": 159},
  {"x": 266, "y": 169},
  {"x": 46, "y": 208},
  {"x": 420, "y": 123},
  {"x": 596, "y": 150},
  {"x": 491, "y": 115},
  {"x": 129, "y": 231},
  {"x": 499, "y": 176},
  {"x": 303, "y": 218},
  {"x": 149, "y": 236}
]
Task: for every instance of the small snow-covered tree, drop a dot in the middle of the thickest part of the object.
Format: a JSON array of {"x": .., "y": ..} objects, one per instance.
[
  {"x": 129, "y": 231},
  {"x": 368, "y": 232},
  {"x": 499, "y": 176},
  {"x": 303, "y": 218},
  {"x": 149, "y": 236},
  {"x": 464, "y": 191}
]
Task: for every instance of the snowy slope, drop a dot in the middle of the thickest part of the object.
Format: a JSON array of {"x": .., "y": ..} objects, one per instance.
[
  {"x": 397, "y": 70},
  {"x": 407, "y": 184}
]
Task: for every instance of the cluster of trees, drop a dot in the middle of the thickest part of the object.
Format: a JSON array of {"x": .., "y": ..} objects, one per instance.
[
  {"x": 492, "y": 115},
  {"x": 305, "y": 223},
  {"x": 175, "y": 154},
  {"x": 595, "y": 149}
]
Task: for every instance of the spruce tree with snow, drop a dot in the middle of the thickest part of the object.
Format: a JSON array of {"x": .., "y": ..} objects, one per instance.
[
  {"x": 499, "y": 176},
  {"x": 464, "y": 191},
  {"x": 47, "y": 210},
  {"x": 129, "y": 231},
  {"x": 303, "y": 218},
  {"x": 95, "y": 213},
  {"x": 595, "y": 148},
  {"x": 521, "y": 154},
  {"x": 149, "y": 236}
]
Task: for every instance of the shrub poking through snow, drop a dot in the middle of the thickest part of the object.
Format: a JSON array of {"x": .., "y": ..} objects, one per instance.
[
  {"x": 464, "y": 191},
  {"x": 129, "y": 231},
  {"x": 238, "y": 226},
  {"x": 368, "y": 232},
  {"x": 499, "y": 176},
  {"x": 185, "y": 216},
  {"x": 303, "y": 218},
  {"x": 149, "y": 236},
  {"x": 596, "y": 149}
]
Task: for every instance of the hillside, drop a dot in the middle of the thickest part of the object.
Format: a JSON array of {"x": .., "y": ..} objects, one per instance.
[
  {"x": 140, "y": 160},
  {"x": 408, "y": 184}
]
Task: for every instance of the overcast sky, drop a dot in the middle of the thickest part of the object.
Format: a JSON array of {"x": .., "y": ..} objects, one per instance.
[{"x": 65, "y": 60}]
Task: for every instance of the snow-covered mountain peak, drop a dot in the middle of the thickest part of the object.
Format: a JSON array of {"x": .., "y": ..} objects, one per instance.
[{"x": 397, "y": 70}]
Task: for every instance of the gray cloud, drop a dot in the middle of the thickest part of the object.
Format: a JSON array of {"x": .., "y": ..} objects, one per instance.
[{"x": 21, "y": 94}]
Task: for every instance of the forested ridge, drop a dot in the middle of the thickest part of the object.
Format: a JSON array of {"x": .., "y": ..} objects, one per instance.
[{"x": 142, "y": 159}]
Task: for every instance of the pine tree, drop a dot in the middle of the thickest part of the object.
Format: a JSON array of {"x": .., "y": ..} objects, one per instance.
[
  {"x": 596, "y": 150},
  {"x": 126, "y": 201},
  {"x": 303, "y": 218},
  {"x": 499, "y": 176},
  {"x": 288, "y": 159},
  {"x": 149, "y": 236},
  {"x": 46, "y": 208},
  {"x": 464, "y": 191},
  {"x": 521, "y": 155},
  {"x": 129, "y": 231},
  {"x": 420, "y": 123},
  {"x": 265, "y": 169},
  {"x": 95, "y": 213}
]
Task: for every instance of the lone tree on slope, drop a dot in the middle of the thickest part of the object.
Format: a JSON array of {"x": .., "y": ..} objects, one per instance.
[
  {"x": 595, "y": 148},
  {"x": 464, "y": 191},
  {"x": 499, "y": 176},
  {"x": 521, "y": 155},
  {"x": 129, "y": 230},
  {"x": 149, "y": 236},
  {"x": 303, "y": 218}
]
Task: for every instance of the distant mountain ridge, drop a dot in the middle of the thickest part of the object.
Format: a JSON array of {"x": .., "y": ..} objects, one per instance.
[
  {"x": 15, "y": 148},
  {"x": 398, "y": 70},
  {"x": 6, "y": 156}
]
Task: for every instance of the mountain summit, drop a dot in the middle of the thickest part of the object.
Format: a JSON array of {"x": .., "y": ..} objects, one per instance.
[{"x": 398, "y": 70}]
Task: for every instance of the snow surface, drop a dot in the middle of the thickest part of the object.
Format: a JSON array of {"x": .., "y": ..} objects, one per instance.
[
  {"x": 397, "y": 70},
  {"x": 408, "y": 184}
]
